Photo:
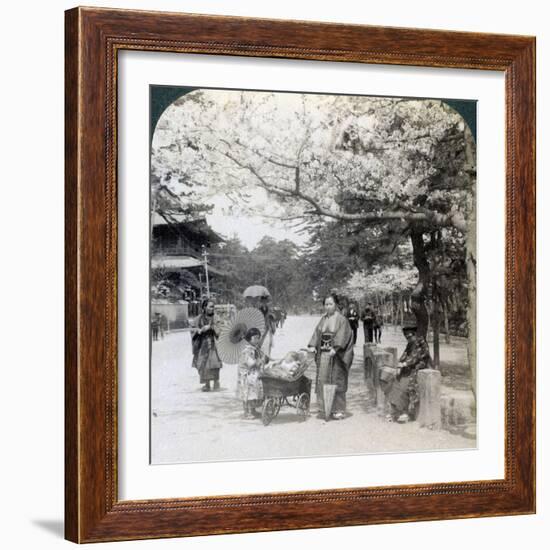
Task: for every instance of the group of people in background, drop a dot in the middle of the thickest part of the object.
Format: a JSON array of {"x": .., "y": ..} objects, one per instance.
[
  {"x": 159, "y": 325},
  {"x": 372, "y": 322},
  {"x": 332, "y": 342}
]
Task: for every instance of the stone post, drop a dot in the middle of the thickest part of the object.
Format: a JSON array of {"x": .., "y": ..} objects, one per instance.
[
  {"x": 381, "y": 359},
  {"x": 393, "y": 351},
  {"x": 369, "y": 361},
  {"x": 429, "y": 394}
]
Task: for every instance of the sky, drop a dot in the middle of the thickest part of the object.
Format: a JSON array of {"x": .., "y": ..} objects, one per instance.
[{"x": 251, "y": 229}]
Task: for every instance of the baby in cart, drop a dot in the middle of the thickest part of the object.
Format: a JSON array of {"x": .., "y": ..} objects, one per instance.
[{"x": 290, "y": 368}]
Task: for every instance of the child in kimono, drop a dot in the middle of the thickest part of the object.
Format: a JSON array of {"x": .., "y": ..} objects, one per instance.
[{"x": 249, "y": 386}]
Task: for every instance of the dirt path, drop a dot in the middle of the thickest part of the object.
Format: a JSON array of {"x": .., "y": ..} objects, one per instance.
[{"x": 189, "y": 425}]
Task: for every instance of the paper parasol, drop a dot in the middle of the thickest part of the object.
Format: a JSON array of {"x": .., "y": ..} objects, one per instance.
[
  {"x": 256, "y": 291},
  {"x": 231, "y": 341}
]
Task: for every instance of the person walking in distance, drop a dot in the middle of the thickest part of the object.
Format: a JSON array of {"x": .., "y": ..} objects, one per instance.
[
  {"x": 353, "y": 319},
  {"x": 368, "y": 323},
  {"x": 378, "y": 324},
  {"x": 155, "y": 326},
  {"x": 204, "y": 334}
]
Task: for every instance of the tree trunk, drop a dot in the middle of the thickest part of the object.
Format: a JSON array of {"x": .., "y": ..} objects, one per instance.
[
  {"x": 472, "y": 305},
  {"x": 436, "y": 335},
  {"x": 471, "y": 268},
  {"x": 435, "y": 322},
  {"x": 418, "y": 296},
  {"x": 455, "y": 301},
  {"x": 446, "y": 321}
]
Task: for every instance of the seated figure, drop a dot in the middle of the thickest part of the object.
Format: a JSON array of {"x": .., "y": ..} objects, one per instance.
[{"x": 400, "y": 385}]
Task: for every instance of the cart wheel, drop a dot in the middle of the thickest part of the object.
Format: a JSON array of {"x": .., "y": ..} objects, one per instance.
[
  {"x": 278, "y": 403},
  {"x": 302, "y": 406},
  {"x": 269, "y": 410}
]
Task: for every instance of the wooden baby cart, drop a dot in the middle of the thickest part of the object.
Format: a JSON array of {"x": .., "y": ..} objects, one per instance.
[{"x": 279, "y": 392}]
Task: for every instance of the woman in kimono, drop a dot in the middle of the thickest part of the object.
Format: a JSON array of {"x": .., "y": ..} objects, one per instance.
[
  {"x": 204, "y": 334},
  {"x": 266, "y": 340},
  {"x": 249, "y": 384},
  {"x": 262, "y": 303},
  {"x": 332, "y": 341},
  {"x": 401, "y": 389}
]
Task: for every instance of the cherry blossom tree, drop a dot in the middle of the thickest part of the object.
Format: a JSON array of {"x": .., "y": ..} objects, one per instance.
[{"x": 381, "y": 166}]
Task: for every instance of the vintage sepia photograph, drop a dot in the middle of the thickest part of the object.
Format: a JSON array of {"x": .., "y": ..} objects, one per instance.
[{"x": 312, "y": 274}]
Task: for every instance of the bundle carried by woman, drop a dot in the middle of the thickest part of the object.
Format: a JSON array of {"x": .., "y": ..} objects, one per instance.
[{"x": 290, "y": 368}]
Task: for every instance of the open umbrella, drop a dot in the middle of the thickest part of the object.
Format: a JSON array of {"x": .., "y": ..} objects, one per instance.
[
  {"x": 231, "y": 341},
  {"x": 256, "y": 291}
]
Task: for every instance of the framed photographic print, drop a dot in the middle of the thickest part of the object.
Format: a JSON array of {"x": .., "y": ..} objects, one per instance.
[{"x": 299, "y": 275}]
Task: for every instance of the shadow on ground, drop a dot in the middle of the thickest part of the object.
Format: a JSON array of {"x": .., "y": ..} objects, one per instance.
[{"x": 55, "y": 527}]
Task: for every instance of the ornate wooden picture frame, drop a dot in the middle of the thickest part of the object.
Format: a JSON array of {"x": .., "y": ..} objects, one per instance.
[{"x": 94, "y": 38}]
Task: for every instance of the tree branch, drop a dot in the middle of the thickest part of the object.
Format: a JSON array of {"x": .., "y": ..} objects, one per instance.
[
  {"x": 418, "y": 216},
  {"x": 260, "y": 154}
]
